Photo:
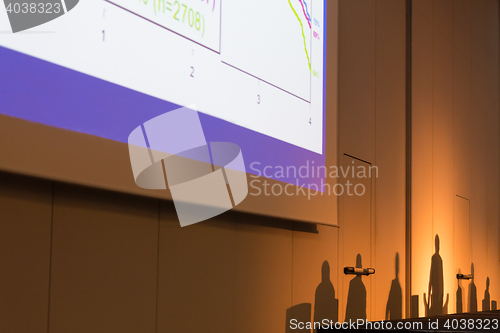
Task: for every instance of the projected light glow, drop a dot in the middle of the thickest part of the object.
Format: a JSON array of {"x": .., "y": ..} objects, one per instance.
[{"x": 254, "y": 69}]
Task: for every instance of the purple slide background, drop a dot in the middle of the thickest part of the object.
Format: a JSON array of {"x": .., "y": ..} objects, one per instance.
[{"x": 50, "y": 94}]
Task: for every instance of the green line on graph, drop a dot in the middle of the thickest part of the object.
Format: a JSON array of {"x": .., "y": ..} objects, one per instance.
[{"x": 303, "y": 36}]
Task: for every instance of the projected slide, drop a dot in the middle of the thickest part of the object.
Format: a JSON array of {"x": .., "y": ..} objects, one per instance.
[{"x": 256, "y": 64}]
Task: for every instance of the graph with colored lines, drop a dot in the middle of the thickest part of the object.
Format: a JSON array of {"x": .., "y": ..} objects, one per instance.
[
  {"x": 303, "y": 26},
  {"x": 282, "y": 46}
]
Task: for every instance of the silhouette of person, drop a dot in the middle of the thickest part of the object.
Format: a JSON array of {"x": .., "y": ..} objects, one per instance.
[
  {"x": 394, "y": 308},
  {"x": 436, "y": 283},
  {"x": 325, "y": 304},
  {"x": 486, "y": 300},
  {"x": 356, "y": 297},
  {"x": 459, "y": 295},
  {"x": 302, "y": 314},
  {"x": 472, "y": 292}
]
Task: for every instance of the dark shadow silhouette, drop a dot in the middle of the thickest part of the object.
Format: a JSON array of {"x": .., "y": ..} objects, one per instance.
[
  {"x": 493, "y": 305},
  {"x": 459, "y": 306},
  {"x": 434, "y": 303},
  {"x": 472, "y": 292},
  {"x": 486, "y": 300},
  {"x": 394, "y": 308},
  {"x": 302, "y": 314},
  {"x": 326, "y": 306},
  {"x": 356, "y": 297},
  {"x": 414, "y": 311}
]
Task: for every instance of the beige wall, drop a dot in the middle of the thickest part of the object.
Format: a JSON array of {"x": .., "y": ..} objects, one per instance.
[
  {"x": 455, "y": 142},
  {"x": 25, "y": 237}
]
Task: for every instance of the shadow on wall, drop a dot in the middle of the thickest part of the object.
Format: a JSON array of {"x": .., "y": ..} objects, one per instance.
[
  {"x": 472, "y": 292},
  {"x": 302, "y": 314},
  {"x": 434, "y": 303},
  {"x": 326, "y": 306},
  {"x": 487, "y": 304},
  {"x": 394, "y": 308},
  {"x": 356, "y": 297},
  {"x": 486, "y": 300},
  {"x": 459, "y": 305}
]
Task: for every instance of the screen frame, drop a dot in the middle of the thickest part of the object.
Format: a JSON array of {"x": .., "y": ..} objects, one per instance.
[{"x": 48, "y": 152}]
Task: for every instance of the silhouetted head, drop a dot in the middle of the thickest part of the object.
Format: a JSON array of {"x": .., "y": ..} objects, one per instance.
[
  {"x": 472, "y": 269},
  {"x": 437, "y": 244},
  {"x": 397, "y": 263},
  {"x": 325, "y": 271},
  {"x": 487, "y": 283},
  {"x": 358, "y": 261}
]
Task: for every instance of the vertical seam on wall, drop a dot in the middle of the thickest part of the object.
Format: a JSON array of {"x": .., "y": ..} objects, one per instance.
[
  {"x": 235, "y": 226},
  {"x": 408, "y": 247},
  {"x": 50, "y": 254},
  {"x": 291, "y": 279},
  {"x": 470, "y": 130},
  {"x": 432, "y": 123},
  {"x": 340, "y": 261},
  {"x": 453, "y": 129},
  {"x": 487, "y": 157},
  {"x": 158, "y": 266},
  {"x": 486, "y": 160},
  {"x": 373, "y": 194},
  {"x": 470, "y": 232}
]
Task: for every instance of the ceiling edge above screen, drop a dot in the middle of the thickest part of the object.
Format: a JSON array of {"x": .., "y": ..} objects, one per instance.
[{"x": 32, "y": 148}]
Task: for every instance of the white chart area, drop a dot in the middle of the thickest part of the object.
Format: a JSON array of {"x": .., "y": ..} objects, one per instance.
[
  {"x": 270, "y": 40},
  {"x": 243, "y": 62}
]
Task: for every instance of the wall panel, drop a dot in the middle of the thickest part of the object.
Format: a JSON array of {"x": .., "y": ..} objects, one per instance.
[
  {"x": 315, "y": 270},
  {"x": 422, "y": 162},
  {"x": 443, "y": 18},
  {"x": 104, "y": 262},
  {"x": 493, "y": 155},
  {"x": 196, "y": 274},
  {"x": 25, "y": 224},
  {"x": 356, "y": 221},
  {"x": 442, "y": 155},
  {"x": 462, "y": 118},
  {"x": 465, "y": 139},
  {"x": 372, "y": 128},
  {"x": 462, "y": 26},
  {"x": 480, "y": 77},
  {"x": 390, "y": 156},
  {"x": 424, "y": 8},
  {"x": 263, "y": 274},
  {"x": 462, "y": 256},
  {"x": 357, "y": 68}
]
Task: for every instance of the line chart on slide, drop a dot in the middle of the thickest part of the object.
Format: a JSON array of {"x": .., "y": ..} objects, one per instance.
[
  {"x": 308, "y": 20},
  {"x": 276, "y": 48}
]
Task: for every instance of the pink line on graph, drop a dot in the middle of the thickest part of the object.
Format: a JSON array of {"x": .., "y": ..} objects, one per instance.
[{"x": 304, "y": 10}]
